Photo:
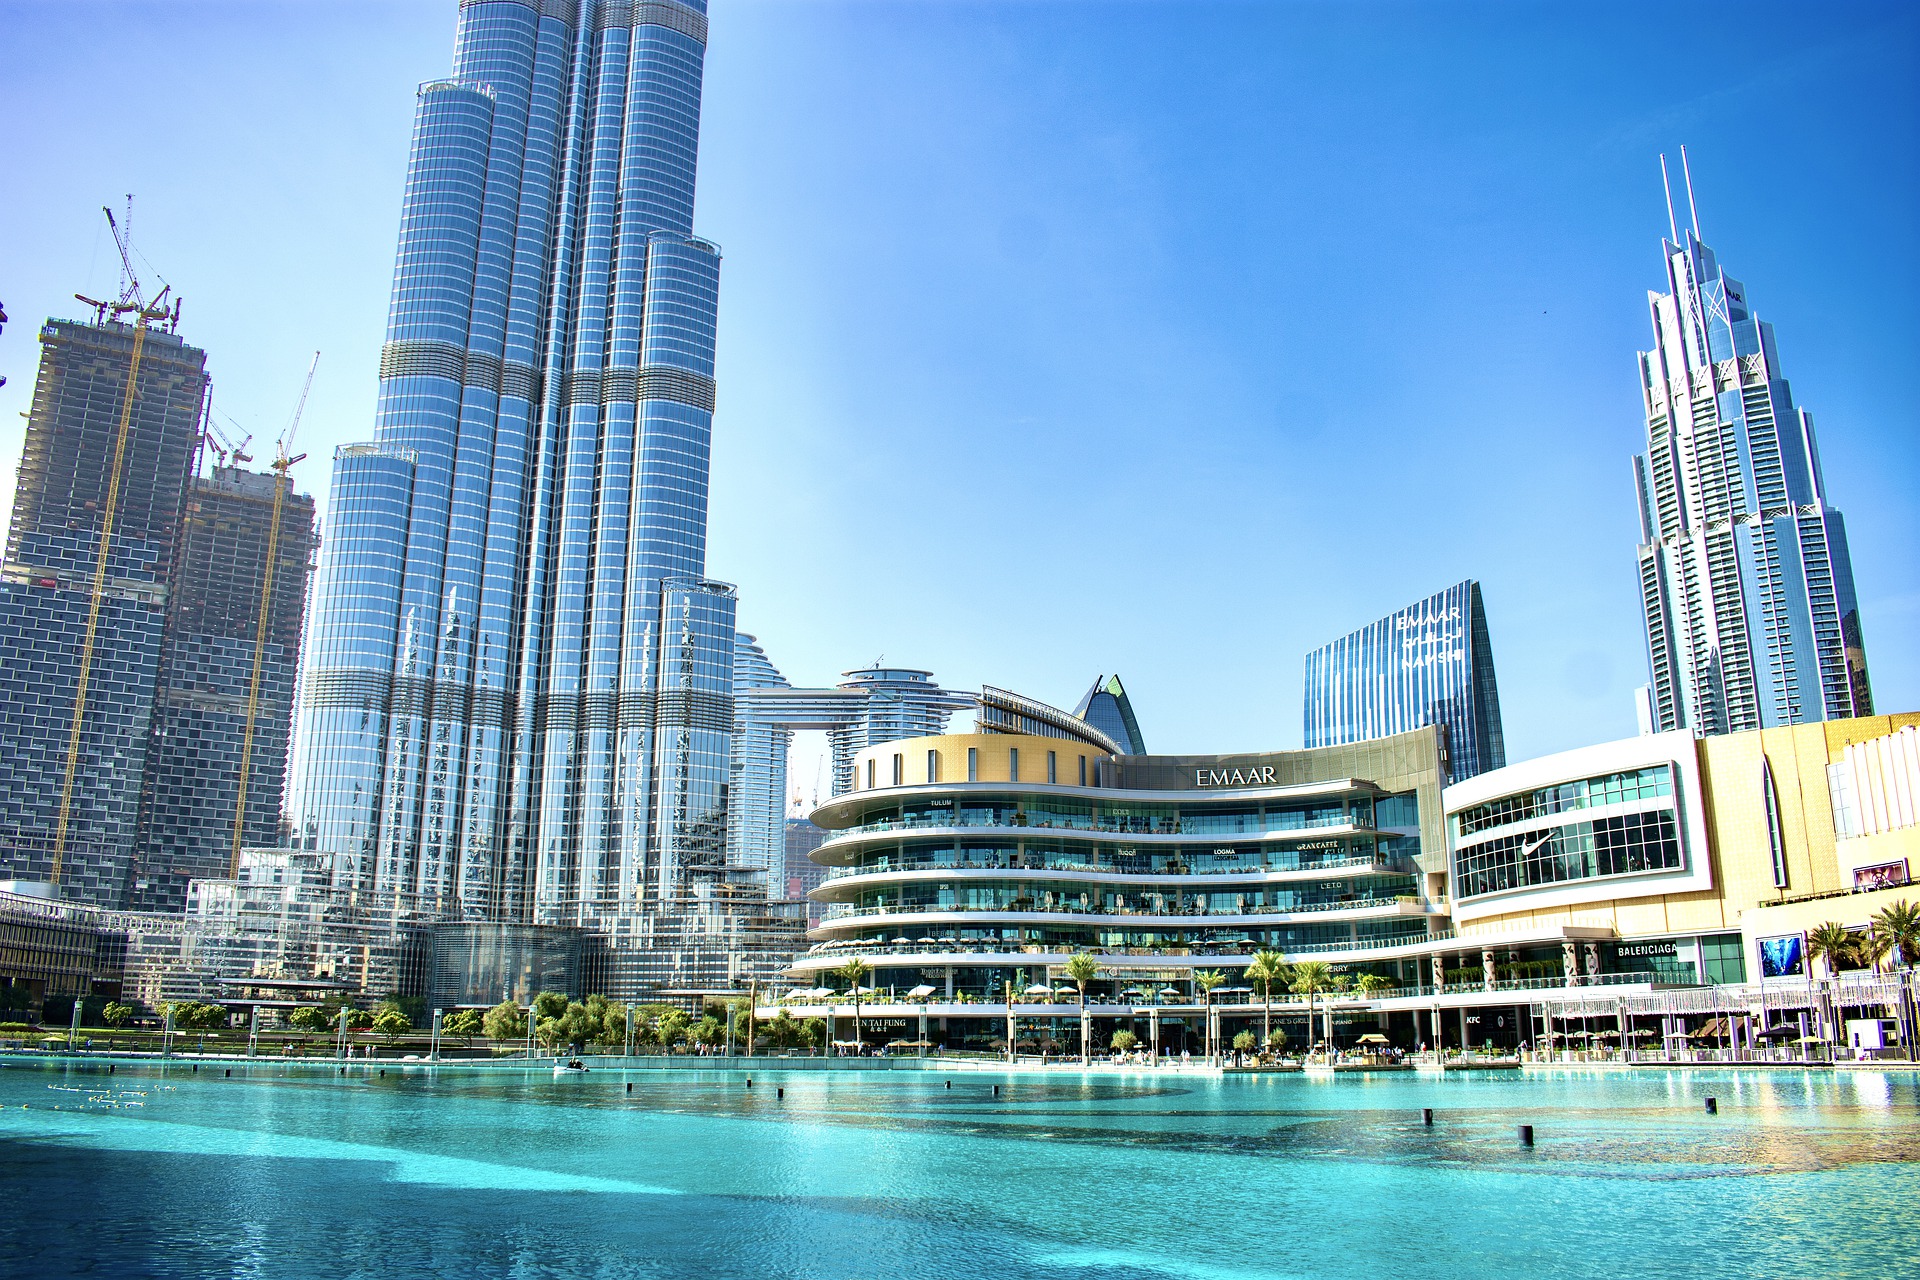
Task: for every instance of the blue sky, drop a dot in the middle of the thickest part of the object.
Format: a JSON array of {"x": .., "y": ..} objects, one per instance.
[{"x": 1061, "y": 338}]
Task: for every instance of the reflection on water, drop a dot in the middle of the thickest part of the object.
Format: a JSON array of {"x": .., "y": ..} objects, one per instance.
[{"x": 289, "y": 1171}]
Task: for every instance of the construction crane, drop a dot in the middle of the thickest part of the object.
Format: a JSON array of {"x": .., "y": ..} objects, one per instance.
[
  {"x": 282, "y": 483},
  {"x": 225, "y": 449},
  {"x": 131, "y": 306}
]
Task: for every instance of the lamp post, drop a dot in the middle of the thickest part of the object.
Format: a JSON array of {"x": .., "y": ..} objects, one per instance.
[
  {"x": 433, "y": 1053},
  {"x": 629, "y": 1042},
  {"x": 253, "y": 1032},
  {"x": 73, "y": 1031}
]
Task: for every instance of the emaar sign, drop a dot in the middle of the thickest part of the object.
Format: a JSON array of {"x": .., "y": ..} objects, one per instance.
[{"x": 1252, "y": 776}]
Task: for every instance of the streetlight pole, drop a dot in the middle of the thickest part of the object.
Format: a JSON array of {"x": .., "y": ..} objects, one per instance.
[{"x": 433, "y": 1053}]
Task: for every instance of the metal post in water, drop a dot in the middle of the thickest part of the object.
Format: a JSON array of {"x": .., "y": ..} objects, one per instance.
[{"x": 1526, "y": 1135}]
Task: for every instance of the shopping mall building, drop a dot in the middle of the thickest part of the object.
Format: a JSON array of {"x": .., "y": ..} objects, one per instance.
[{"x": 967, "y": 870}]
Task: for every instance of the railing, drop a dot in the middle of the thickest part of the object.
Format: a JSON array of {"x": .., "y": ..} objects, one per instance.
[
  {"x": 888, "y": 866},
  {"x": 1832, "y": 893},
  {"x": 1222, "y": 951},
  {"x": 1584, "y": 982},
  {"x": 1161, "y": 827},
  {"x": 840, "y": 911}
]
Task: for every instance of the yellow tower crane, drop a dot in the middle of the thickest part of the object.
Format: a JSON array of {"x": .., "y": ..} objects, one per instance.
[
  {"x": 282, "y": 482},
  {"x": 130, "y": 304}
]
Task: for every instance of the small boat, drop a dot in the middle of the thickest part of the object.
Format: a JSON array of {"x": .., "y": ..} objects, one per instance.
[{"x": 571, "y": 1067}]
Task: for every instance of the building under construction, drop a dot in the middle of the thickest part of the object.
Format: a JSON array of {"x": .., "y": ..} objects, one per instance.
[
  {"x": 110, "y": 443},
  {"x": 232, "y": 646},
  {"x": 150, "y": 621}
]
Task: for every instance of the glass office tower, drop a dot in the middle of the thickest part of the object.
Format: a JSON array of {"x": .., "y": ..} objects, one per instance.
[
  {"x": 1429, "y": 663},
  {"x": 1748, "y": 592},
  {"x": 110, "y": 444},
  {"x": 518, "y": 696}
]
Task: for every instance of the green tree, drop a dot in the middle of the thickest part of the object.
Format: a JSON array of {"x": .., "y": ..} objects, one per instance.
[
  {"x": 1278, "y": 1040},
  {"x": 1266, "y": 970},
  {"x": 1369, "y": 983},
  {"x": 463, "y": 1025},
  {"x": 783, "y": 1032},
  {"x": 549, "y": 1004},
  {"x": 1124, "y": 1041},
  {"x": 1833, "y": 942},
  {"x": 1207, "y": 980},
  {"x": 1310, "y": 978},
  {"x": 1082, "y": 969},
  {"x": 670, "y": 1028},
  {"x": 504, "y": 1023},
  {"x": 1871, "y": 948},
  {"x": 310, "y": 1020},
  {"x": 390, "y": 1024},
  {"x": 854, "y": 973},
  {"x": 1900, "y": 922},
  {"x": 708, "y": 1032},
  {"x": 117, "y": 1015},
  {"x": 813, "y": 1033},
  {"x": 1243, "y": 1042}
]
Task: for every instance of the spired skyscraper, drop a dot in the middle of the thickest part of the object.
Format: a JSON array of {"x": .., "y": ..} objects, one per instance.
[
  {"x": 518, "y": 700},
  {"x": 1748, "y": 592}
]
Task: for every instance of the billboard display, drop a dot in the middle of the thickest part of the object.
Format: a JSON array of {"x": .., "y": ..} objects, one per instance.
[{"x": 1782, "y": 957}]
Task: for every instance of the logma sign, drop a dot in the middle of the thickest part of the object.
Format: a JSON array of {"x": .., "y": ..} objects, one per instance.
[{"x": 1252, "y": 776}]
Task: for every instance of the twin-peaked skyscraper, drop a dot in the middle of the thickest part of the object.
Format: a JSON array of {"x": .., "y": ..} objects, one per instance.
[{"x": 518, "y": 697}]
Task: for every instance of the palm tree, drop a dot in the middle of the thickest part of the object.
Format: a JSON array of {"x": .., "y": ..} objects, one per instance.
[
  {"x": 1083, "y": 968},
  {"x": 1900, "y": 923},
  {"x": 1871, "y": 947},
  {"x": 1310, "y": 978},
  {"x": 1832, "y": 941},
  {"x": 1264, "y": 970},
  {"x": 1368, "y": 983},
  {"x": 1207, "y": 980},
  {"x": 854, "y": 973}
]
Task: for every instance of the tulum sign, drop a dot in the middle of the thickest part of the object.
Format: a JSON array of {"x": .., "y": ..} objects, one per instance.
[{"x": 1251, "y": 776}]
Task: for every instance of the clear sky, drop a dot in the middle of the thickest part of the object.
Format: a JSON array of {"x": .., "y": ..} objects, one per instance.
[{"x": 1063, "y": 338}]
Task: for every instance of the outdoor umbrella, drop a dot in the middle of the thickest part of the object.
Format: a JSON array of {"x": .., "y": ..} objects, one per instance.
[
  {"x": 1171, "y": 991},
  {"x": 1038, "y": 991},
  {"x": 1780, "y": 1031},
  {"x": 1374, "y": 1037},
  {"x": 918, "y": 992}
]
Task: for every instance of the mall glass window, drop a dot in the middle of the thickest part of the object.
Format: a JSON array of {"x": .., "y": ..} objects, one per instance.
[
  {"x": 933, "y": 766},
  {"x": 973, "y": 764},
  {"x": 899, "y": 769},
  {"x": 1053, "y": 767},
  {"x": 1724, "y": 958},
  {"x": 1587, "y": 793},
  {"x": 1013, "y": 764},
  {"x": 1083, "y": 771},
  {"x": 1625, "y": 845}
]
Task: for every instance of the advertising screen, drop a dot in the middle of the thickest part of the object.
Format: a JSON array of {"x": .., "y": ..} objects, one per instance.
[
  {"x": 1884, "y": 876},
  {"x": 1781, "y": 957}
]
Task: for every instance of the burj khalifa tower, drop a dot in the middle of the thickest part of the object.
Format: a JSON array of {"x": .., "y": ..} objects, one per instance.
[{"x": 518, "y": 698}]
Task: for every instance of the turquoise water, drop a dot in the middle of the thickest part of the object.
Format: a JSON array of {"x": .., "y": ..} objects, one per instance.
[{"x": 878, "y": 1175}]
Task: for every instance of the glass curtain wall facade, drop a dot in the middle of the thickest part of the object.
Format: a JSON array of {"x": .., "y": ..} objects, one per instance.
[
  {"x": 1430, "y": 663},
  {"x": 1167, "y": 865},
  {"x": 518, "y": 703},
  {"x": 188, "y": 826},
  {"x": 1745, "y": 579},
  {"x": 1107, "y": 708},
  {"x": 67, "y": 503}
]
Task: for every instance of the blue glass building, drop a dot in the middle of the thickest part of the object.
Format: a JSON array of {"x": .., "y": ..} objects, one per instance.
[
  {"x": 1107, "y": 708},
  {"x": 518, "y": 698},
  {"x": 1745, "y": 579},
  {"x": 1429, "y": 663}
]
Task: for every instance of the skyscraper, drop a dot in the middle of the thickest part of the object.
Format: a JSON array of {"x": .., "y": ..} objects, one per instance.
[
  {"x": 110, "y": 442},
  {"x": 219, "y": 627},
  {"x": 1429, "y": 663},
  {"x": 1744, "y": 577},
  {"x": 518, "y": 699}
]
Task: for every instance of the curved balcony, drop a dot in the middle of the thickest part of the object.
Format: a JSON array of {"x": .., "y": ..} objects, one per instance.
[
  {"x": 845, "y": 919},
  {"x": 824, "y": 957},
  {"x": 834, "y": 848},
  {"x": 842, "y": 881}
]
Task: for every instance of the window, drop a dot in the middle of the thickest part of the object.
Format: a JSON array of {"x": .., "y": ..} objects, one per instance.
[
  {"x": 933, "y": 766},
  {"x": 869, "y": 775},
  {"x": 1013, "y": 764},
  {"x": 1053, "y": 767},
  {"x": 1626, "y": 845},
  {"x": 1776, "y": 843},
  {"x": 1083, "y": 771},
  {"x": 973, "y": 764},
  {"x": 899, "y": 769}
]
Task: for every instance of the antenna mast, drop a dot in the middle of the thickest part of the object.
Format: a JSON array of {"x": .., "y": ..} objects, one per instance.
[
  {"x": 1666, "y": 185},
  {"x": 1692, "y": 211}
]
